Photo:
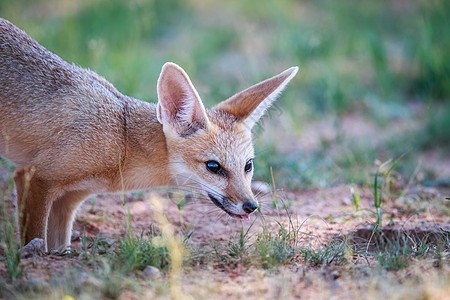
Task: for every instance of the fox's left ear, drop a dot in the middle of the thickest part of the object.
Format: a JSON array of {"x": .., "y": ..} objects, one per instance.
[{"x": 250, "y": 104}]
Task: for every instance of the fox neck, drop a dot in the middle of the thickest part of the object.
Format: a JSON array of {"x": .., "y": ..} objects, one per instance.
[{"x": 145, "y": 161}]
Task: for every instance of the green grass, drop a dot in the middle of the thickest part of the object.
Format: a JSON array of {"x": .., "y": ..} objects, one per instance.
[
  {"x": 333, "y": 252},
  {"x": 10, "y": 245},
  {"x": 135, "y": 253},
  {"x": 266, "y": 249},
  {"x": 112, "y": 266},
  {"x": 399, "y": 251}
]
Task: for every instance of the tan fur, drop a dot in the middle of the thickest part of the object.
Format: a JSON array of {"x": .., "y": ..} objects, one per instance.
[{"x": 72, "y": 134}]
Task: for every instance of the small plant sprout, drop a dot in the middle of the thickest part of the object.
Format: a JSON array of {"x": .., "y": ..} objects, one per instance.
[
  {"x": 274, "y": 193},
  {"x": 180, "y": 206},
  {"x": 378, "y": 189},
  {"x": 355, "y": 197}
]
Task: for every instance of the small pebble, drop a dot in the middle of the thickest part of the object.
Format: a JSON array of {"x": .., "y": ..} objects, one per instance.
[
  {"x": 35, "y": 247},
  {"x": 151, "y": 271}
]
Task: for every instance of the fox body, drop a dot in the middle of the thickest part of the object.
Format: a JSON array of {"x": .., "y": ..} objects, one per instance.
[{"x": 71, "y": 134}]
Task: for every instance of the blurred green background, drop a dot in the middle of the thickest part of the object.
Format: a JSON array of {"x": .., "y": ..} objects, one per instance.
[{"x": 373, "y": 81}]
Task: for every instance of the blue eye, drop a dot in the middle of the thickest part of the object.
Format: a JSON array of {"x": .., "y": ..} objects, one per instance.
[
  {"x": 248, "y": 166},
  {"x": 213, "y": 166}
]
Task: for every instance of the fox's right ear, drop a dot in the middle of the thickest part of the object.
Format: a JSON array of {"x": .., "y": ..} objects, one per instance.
[
  {"x": 179, "y": 105},
  {"x": 249, "y": 105}
]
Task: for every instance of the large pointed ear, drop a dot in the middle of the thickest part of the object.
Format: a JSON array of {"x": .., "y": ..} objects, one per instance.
[
  {"x": 179, "y": 105},
  {"x": 250, "y": 104}
]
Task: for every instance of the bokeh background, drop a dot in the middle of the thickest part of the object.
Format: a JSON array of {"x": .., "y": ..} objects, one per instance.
[{"x": 374, "y": 80}]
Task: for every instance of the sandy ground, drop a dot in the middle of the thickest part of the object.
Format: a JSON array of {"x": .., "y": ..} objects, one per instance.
[{"x": 319, "y": 213}]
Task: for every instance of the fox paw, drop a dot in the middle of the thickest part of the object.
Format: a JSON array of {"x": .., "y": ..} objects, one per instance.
[{"x": 35, "y": 247}]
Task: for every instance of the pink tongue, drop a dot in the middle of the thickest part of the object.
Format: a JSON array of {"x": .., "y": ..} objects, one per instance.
[{"x": 245, "y": 217}]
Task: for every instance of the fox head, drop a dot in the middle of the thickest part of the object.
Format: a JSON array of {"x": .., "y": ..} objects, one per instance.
[{"x": 211, "y": 151}]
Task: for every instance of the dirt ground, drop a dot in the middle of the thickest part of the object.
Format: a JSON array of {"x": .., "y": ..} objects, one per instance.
[{"x": 319, "y": 213}]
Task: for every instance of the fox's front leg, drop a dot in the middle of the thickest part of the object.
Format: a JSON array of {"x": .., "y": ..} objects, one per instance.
[
  {"x": 61, "y": 219},
  {"x": 33, "y": 204}
]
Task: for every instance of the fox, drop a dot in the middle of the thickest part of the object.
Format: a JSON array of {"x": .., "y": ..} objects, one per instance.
[{"x": 70, "y": 133}]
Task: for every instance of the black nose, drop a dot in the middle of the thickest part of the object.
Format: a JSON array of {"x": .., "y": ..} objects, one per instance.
[{"x": 249, "y": 206}]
